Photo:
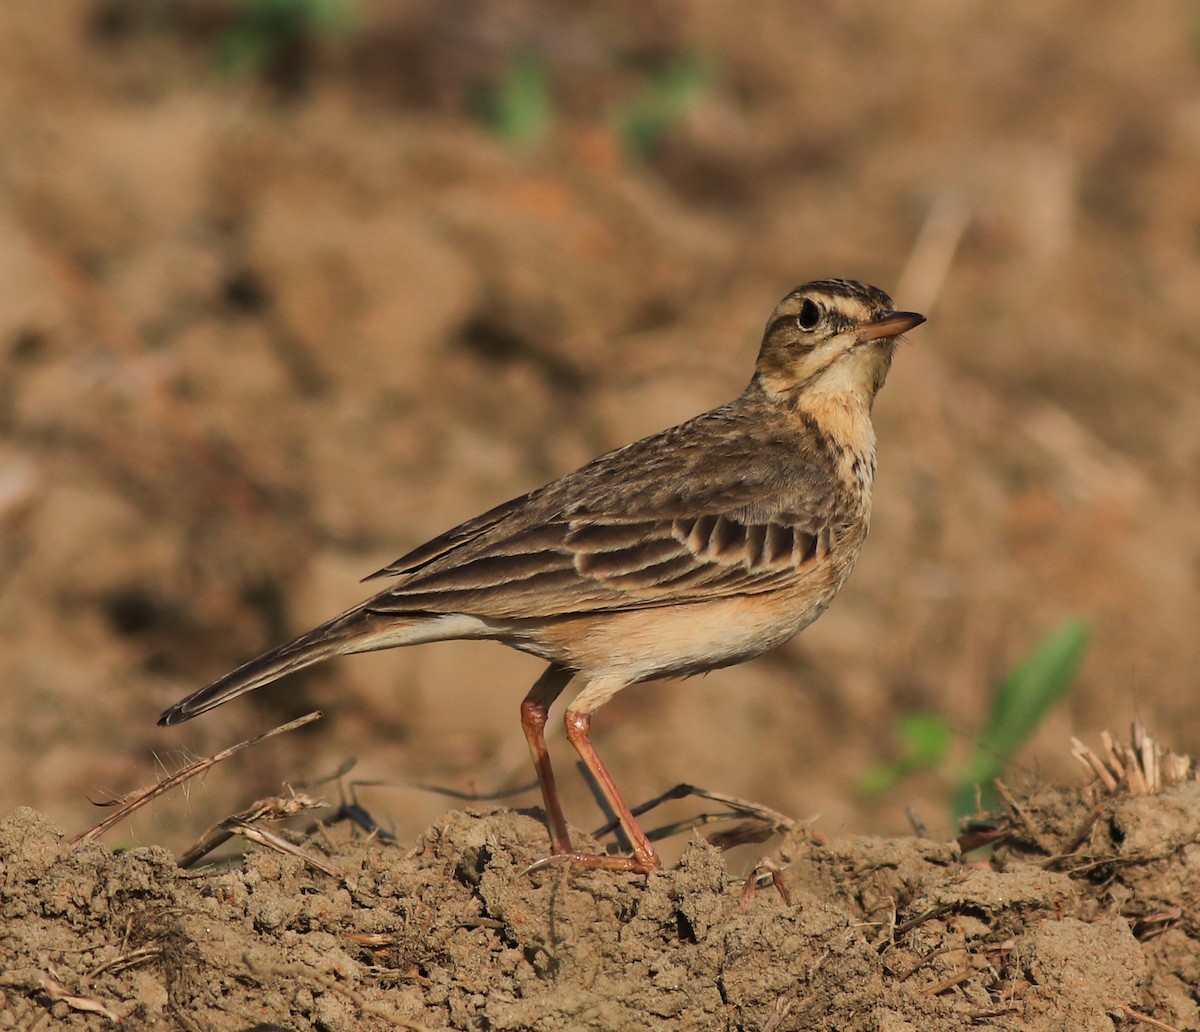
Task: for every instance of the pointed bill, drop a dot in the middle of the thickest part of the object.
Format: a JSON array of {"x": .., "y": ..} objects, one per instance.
[{"x": 891, "y": 325}]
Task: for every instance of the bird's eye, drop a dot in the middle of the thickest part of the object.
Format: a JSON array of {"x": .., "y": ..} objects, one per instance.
[{"x": 809, "y": 315}]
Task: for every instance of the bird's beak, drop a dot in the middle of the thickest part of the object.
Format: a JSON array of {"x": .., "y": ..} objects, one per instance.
[{"x": 891, "y": 325}]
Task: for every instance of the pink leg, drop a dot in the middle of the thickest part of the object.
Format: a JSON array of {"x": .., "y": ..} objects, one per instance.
[
  {"x": 644, "y": 859},
  {"x": 535, "y": 709}
]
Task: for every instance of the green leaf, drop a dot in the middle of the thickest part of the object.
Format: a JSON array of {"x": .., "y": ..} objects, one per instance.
[
  {"x": 519, "y": 108},
  {"x": 924, "y": 743},
  {"x": 1019, "y": 707},
  {"x": 645, "y": 121},
  {"x": 262, "y": 29}
]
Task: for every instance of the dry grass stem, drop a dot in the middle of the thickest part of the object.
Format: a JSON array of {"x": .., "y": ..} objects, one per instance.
[
  {"x": 136, "y": 800},
  {"x": 1023, "y": 814},
  {"x": 1145, "y": 1019},
  {"x": 933, "y": 253},
  {"x": 269, "y": 840},
  {"x": 1144, "y": 767},
  {"x": 274, "y": 809},
  {"x": 762, "y": 824}
]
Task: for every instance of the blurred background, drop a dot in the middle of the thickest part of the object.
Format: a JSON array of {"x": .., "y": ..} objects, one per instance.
[{"x": 288, "y": 286}]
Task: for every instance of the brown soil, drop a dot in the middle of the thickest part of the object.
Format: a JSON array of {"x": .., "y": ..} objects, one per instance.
[
  {"x": 856, "y": 934},
  {"x": 262, "y": 332}
]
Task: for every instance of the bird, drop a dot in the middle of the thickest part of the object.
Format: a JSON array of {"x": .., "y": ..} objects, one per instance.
[{"x": 692, "y": 549}]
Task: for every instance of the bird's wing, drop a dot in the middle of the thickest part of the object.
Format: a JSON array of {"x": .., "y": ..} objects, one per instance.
[
  {"x": 590, "y": 564},
  {"x": 656, "y": 523}
]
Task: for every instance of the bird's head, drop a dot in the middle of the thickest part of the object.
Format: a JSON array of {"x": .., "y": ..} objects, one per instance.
[{"x": 832, "y": 340}]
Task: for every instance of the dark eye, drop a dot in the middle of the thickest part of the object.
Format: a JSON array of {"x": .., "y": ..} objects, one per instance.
[{"x": 809, "y": 315}]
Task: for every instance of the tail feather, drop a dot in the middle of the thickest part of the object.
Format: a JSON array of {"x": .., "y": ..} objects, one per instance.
[{"x": 355, "y": 631}]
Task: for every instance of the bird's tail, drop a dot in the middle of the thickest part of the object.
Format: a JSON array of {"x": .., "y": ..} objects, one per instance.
[{"x": 358, "y": 630}]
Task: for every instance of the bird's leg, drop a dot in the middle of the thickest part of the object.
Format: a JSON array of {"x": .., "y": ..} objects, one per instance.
[
  {"x": 535, "y": 708},
  {"x": 644, "y": 859},
  {"x": 534, "y": 711}
]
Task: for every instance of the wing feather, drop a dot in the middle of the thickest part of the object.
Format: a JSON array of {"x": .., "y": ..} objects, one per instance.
[
  {"x": 611, "y": 566},
  {"x": 651, "y": 524}
]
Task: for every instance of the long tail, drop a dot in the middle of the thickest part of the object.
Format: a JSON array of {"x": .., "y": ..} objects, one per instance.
[{"x": 358, "y": 630}]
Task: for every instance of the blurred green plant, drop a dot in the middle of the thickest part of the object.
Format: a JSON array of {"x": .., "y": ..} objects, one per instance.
[
  {"x": 1021, "y": 703},
  {"x": 924, "y": 740},
  {"x": 263, "y": 32},
  {"x": 644, "y": 122},
  {"x": 519, "y": 107},
  {"x": 1023, "y": 700}
]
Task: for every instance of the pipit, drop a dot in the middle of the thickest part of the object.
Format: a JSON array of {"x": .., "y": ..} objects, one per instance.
[{"x": 697, "y": 548}]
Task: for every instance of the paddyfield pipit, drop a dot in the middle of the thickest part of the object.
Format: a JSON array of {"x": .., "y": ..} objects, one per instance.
[{"x": 696, "y": 548}]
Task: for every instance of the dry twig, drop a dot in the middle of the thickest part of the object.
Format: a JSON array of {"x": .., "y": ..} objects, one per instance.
[
  {"x": 136, "y": 800},
  {"x": 1144, "y": 767},
  {"x": 933, "y": 252},
  {"x": 275, "y": 809},
  {"x": 763, "y": 821},
  {"x": 269, "y": 840},
  {"x": 1023, "y": 814},
  {"x": 1147, "y": 1020}
]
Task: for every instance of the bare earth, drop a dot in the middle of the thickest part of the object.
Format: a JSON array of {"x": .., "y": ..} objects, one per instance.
[
  {"x": 454, "y": 933},
  {"x": 263, "y": 331}
]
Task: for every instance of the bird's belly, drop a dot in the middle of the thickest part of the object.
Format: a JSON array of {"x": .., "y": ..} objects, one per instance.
[{"x": 673, "y": 641}]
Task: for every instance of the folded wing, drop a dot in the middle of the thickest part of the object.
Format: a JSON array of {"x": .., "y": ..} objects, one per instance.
[{"x": 655, "y": 523}]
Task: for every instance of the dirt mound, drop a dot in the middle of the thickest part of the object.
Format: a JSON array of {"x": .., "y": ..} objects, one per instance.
[{"x": 456, "y": 932}]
